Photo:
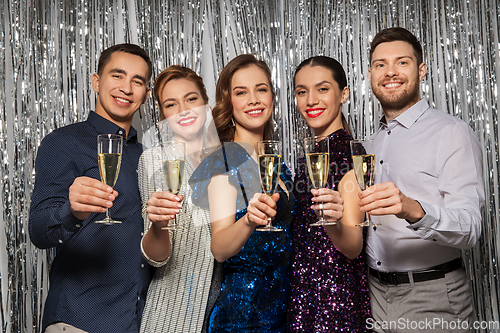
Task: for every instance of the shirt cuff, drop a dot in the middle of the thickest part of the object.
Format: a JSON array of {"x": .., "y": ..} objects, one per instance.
[
  {"x": 423, "y": 228},
  {"x": 68, "y": 220}
]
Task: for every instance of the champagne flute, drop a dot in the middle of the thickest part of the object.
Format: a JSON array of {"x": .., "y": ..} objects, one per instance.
[
  {"x": 364, "y": 168},
  {"x": 109, "y": 157},
  {"x": 317, "y": 151},
  {"x": 269, "y": 168},
  {"x": 173, "y": 160}
]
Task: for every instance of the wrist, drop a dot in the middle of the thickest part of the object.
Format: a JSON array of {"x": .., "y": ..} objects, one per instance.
[{"x": 416, "y": 212}]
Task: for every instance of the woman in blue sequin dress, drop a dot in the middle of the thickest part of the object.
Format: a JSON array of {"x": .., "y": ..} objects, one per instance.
[
  {"x": 329, "y": 284},
  {"x": 254, "y": 291}
]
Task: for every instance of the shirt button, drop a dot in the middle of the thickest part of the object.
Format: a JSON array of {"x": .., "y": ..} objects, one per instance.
[
  {"x": 381, "y": 161},
  {"x": 60, "y": 241},
  {"x": 120, "y": 132},
  {"x": 388, "y": 132},
  {"x": 379, "y": 263},
  {"x": 78, "y": 225},
  {"x": 138, "y": 298},
  {"x": 142, "y": 265}
]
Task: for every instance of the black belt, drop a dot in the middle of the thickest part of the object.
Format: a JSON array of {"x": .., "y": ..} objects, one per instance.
[{"x": 432, "y": 273}]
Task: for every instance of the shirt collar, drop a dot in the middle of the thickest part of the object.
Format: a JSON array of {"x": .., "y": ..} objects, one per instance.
[
  {"x": 103, "y": 125},
  {"x": 410, "y": 116}
]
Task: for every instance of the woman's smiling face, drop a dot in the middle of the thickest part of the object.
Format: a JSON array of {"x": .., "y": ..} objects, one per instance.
[
  {"x": 319, "y": 99},
  {"x": 184, "y": 108},
  {"x": 252, "y": 98}
]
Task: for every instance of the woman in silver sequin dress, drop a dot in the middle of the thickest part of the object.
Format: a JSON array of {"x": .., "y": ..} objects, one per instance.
[{"x": 178, "y": 294}]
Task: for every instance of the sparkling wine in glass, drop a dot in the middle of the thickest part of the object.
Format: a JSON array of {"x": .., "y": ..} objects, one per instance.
[
  {"x": 269, "y": 168},
  {"x": 317, "y": 151},
  {"x": 173, "y": 160},
  {"x": 364, "y": 168},
  {"x": 109, "y": 157}
]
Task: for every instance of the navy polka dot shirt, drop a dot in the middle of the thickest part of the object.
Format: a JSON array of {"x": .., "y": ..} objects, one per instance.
[{"x": 98, "y": 279}]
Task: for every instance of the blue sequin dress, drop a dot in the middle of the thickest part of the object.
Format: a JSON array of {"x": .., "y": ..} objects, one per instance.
[{"x": 254, "y": 293}]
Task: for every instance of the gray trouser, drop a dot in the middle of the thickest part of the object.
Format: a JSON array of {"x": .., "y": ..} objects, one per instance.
[
  {"x": 441, "y": 305},
  {"x": 62, "y": 328}
]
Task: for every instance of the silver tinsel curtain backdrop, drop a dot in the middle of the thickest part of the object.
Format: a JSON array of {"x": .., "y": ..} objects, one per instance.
[{"x": 50, "y": 48}]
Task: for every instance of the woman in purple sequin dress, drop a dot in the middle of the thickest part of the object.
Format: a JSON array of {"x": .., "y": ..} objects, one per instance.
[{"x": 329, "y": 289}]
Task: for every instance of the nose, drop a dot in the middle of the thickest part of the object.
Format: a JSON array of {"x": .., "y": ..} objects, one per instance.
[
  {"x": 252, "y": 98},
  {"x": 312, "y": 98},
  {"x": 391, "y": 70},
  {"x": 183, "y": 109},
  {"x": 126, "y": 87}
]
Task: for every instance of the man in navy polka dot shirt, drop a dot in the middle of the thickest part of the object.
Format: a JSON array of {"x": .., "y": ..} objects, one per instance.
[{"x": 98, "y": 279}]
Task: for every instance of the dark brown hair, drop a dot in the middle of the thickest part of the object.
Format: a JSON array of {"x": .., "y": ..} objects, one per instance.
[
  {"x": 223, "y": 111},
  {"x": 397, "y": 34},
  {"x": 174, "y": 72},
  {"x": 127, "y": 48},
  {"x": 338, "y": 75}
]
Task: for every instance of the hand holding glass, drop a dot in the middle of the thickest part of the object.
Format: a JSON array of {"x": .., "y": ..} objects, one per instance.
[
  {"x": 364, "y": 168},
  {"x": 173, "y": 159},
  {"x": 317, "y": 151},
  {"x": 269, "y": 152},
  {"x": 109, "y": 152}
]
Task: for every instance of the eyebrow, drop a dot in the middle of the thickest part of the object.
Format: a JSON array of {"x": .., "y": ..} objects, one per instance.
[
  {"x": 257, "y": 85},
  {"x": 121, "y": 71},
  {"x": 316, "y": 85},
  {"x": 398, "y": 58},
  {"x": 185, "y": 95}
]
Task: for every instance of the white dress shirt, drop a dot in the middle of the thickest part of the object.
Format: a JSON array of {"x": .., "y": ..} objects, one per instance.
[{"x": 436, "y": 159}]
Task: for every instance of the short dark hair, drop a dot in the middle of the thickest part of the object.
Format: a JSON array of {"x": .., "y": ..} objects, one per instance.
[
  {"x": 397, "y": 34},
  {"x": 127, "y": 48}
]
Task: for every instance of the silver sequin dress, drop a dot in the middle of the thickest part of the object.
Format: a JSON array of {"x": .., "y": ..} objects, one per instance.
[{"x": 178, "y": 294}]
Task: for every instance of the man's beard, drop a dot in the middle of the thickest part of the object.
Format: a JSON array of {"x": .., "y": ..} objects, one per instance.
[{"x": 399, "y": 101}]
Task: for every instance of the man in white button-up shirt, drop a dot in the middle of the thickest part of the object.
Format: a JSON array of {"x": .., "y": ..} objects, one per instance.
[{"x": 427, "y": 199}]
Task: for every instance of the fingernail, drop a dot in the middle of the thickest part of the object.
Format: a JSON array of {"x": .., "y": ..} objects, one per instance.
[
  {"x": 179, "y": 205},
  {"x": 177, "y": 211}
]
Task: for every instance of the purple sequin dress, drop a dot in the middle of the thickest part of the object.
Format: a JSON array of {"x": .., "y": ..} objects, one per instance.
[{"x": 329, "y": 292}]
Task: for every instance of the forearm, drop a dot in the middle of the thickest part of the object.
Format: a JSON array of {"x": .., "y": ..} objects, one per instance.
[
  {"x": 346, "y": 239},
  {"x": 51, "y": 223},
  {"x": 228, "y": 241},
  {"x": 455, "y": 227},
  {"x": 156, "y": 244}
]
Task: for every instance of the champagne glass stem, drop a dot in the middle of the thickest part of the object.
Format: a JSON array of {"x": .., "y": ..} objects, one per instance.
[{"x": 322, "y": 213}]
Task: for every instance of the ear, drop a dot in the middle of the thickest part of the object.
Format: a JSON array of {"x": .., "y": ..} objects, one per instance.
[
  {"x": 345, "y": 95},
  {"x": 370, "y": 74},
  {"x": 422, "y": 71},
  {"x": 95, "y": 82},
  {"x": 148, "y": 90}
]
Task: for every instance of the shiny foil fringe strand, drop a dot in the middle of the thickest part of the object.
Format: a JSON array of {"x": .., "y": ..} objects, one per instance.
[{"x": 49, "y": 49}]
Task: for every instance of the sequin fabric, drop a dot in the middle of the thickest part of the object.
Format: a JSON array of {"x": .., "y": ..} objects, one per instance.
[
  {"x": 329, "y": 293},
  {"x": 255, "y": 287}
]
